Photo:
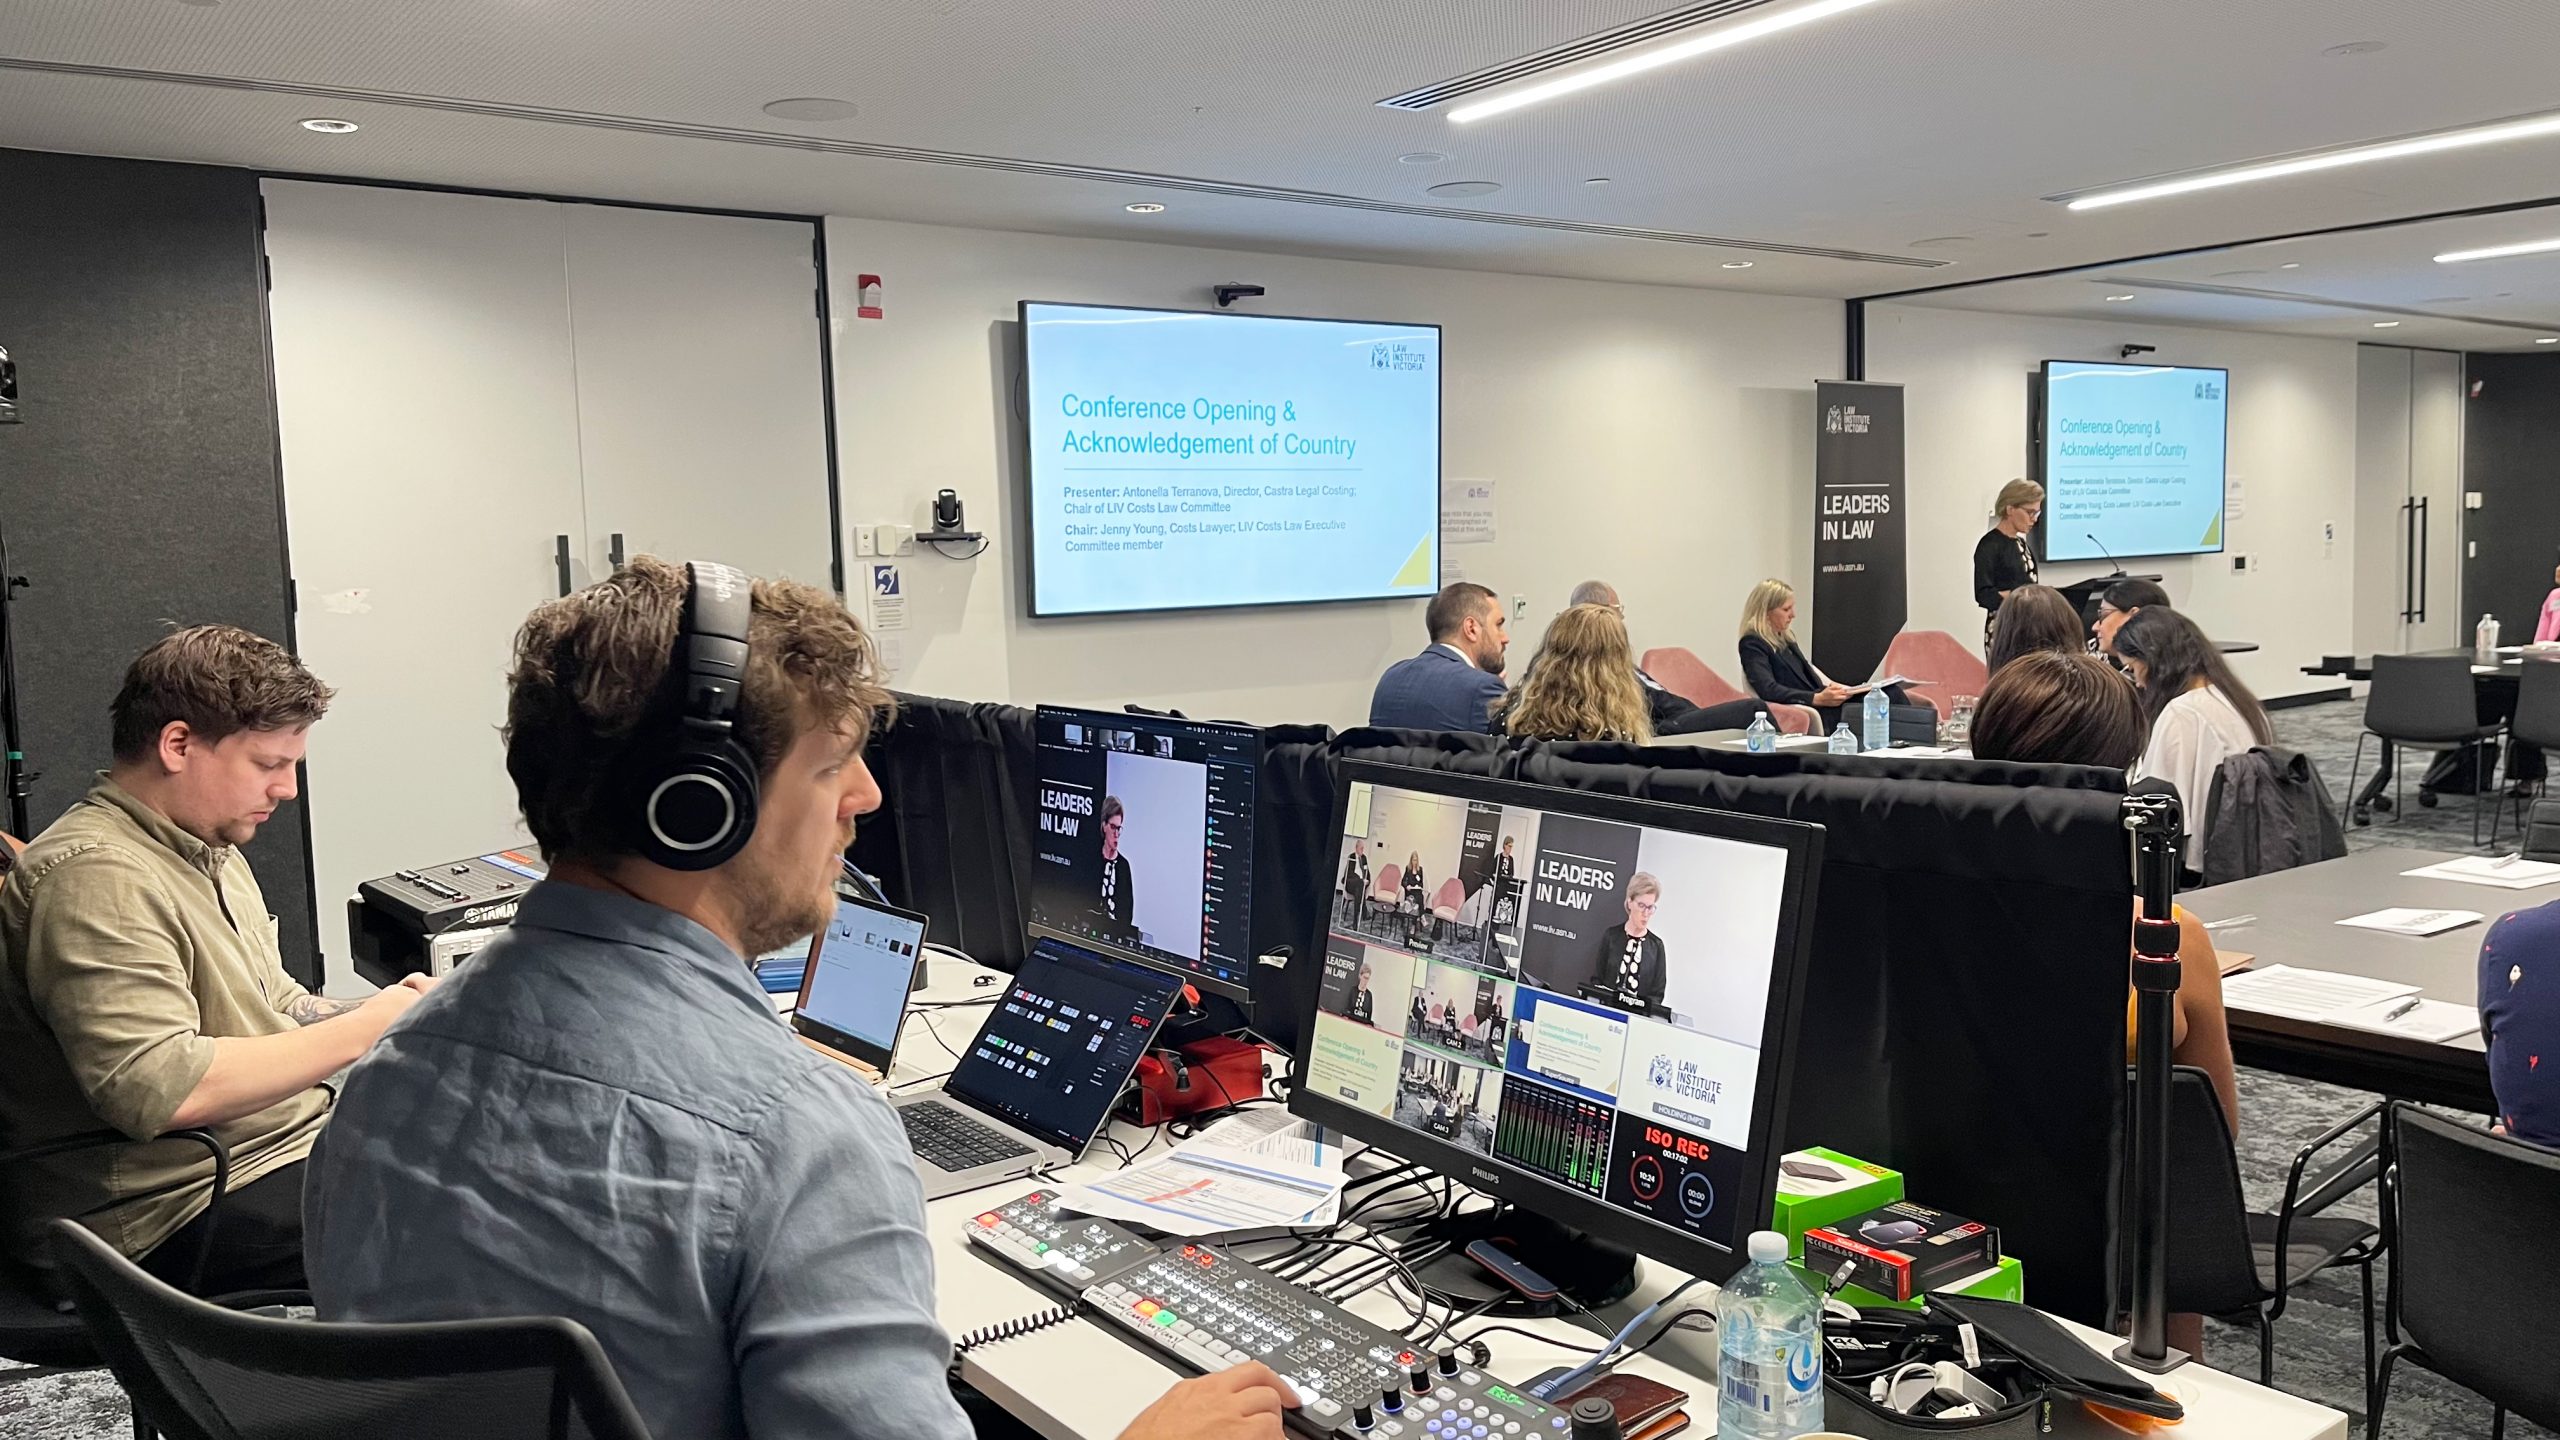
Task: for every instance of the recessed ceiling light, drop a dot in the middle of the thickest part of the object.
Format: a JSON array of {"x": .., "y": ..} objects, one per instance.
[
  {"x": 1420, "y": 157},
  {"x": 2356, "y": 47},
  {"x": 2119, "y": 297},
  {"x": 1719, "y": 37},
  {"x": 1597, "y": 181},
  {"x": 2290, "y": 265},
  {"x": 2498, "y": 252},
  {"x": 1738, "y": 264},
  {"x": 2530, "y": 127},
  {"x": 1464, "y": 189},
  {"x": 323, "y": 125},
  {"x": 2548, "y": 340},
  {"x": 2386, "y": 324},
  {"x": 1144, "y": 207},
  {"x": 812, "y": 108}
]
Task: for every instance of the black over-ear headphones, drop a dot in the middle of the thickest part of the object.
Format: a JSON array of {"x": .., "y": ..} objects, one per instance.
[{"x": 698, "y": 804}]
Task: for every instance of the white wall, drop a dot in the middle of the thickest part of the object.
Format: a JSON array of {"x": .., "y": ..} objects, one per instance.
[
  {"x": 2293, "y": 458},
  {"x": 1658, "y": 438}
]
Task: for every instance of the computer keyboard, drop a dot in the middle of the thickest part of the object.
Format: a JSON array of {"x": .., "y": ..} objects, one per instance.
[{"x": 943, "y": 1137}]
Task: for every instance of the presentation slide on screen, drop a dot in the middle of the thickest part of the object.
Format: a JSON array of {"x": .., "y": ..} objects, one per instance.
[
  {"x": 2133, "y": 454},
  {"x": 1181, "y": 460}
]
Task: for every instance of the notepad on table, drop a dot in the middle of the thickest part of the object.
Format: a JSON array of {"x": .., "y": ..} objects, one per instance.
[
  {"x": 2506, "y": 872},
  {"x": 2308, "y": 994},
  {"x": 2431, "y": 1020},
  {"x": 2403, "y": 920}
]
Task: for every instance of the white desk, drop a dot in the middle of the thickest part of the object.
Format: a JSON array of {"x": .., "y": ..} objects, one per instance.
[{"x": 1078, "y": 1381}]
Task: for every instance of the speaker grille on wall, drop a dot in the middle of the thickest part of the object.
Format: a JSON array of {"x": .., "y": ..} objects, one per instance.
[
  {"x": 830, "y": 145},
  {"x": 1572, "y": 52}
]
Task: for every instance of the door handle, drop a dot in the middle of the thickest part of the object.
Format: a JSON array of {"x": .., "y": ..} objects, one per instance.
[
  {"x": 560, "y": 556},
  {"x": 2422, "y": 560},
  {"x": 613, "y": 551},
  {"x": 2408, "y": 561}
]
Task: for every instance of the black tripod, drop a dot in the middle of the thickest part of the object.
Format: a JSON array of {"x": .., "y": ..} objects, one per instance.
[
  {"x": 2155, "y": 823},
  {"x": 19, "y": 780}
]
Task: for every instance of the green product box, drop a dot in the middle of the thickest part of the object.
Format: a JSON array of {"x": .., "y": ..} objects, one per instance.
[
  {"x": 1818, "y": 1186},
  {"x": 2004, "y": 1281}
]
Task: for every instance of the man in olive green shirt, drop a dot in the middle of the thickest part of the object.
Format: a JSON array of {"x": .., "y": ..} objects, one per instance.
[{"x": 141, "y": 990}]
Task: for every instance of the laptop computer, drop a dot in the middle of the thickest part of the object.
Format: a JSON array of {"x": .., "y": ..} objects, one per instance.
[
  {"x": 1038, "y": 1081},
  {"x": 853, "y": 993}
]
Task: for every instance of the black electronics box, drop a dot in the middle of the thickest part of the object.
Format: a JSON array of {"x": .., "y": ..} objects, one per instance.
[
  {"x": 395, "y": 924},
  {"x": 1902, "y": 1250}
]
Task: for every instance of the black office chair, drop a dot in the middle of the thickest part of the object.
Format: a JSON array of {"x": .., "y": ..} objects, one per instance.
[
  {"x": 2541, "y": 837},
  {"x": 2475, "y": 1240},
  {"x": 2235, "y": 1264},
  {"x": 38, "y": 1332},
  {"x": 200, "y": 1372},
  {"x": 2428, "y": 702},
  {"x": 2537, "y": 719}
]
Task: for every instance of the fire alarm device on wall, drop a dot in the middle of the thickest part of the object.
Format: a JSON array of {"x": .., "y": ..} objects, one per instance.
[{"x": 866, "y": 301}]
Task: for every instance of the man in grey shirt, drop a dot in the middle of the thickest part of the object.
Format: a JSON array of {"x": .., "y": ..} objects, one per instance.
[{"x": 601, "y": 1117}]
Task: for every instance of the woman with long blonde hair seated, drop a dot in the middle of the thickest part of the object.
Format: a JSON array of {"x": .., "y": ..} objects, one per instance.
[{"x": 1583, "y": 685}]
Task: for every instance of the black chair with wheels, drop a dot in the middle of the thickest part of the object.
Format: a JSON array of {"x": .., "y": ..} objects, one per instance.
[
  {"x": 2428, "y": 702},
  {"x": 43, "y": 1334},
  {"x": 2475, "y": 1240},
  {"x": 200, "y": 1372},
  {"x": 2242, "y": 1266},
  {"x": 2536, "y": 723}
]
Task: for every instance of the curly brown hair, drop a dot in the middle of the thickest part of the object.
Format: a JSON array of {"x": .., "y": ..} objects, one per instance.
[
  {"x": 1583, "y": 685},
  {"x": 220, "y": 680},
  {"x": 593, "y": 696}
]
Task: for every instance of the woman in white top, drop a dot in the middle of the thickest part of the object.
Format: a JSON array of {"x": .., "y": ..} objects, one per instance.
[{"x": 2201, "y": 715}]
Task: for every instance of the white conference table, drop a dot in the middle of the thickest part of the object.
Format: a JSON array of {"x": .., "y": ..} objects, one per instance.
[{"x": 1078, "y": 1381}]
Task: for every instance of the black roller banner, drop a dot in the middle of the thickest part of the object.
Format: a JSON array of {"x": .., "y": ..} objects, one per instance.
[{"x": 1859, "y": 595}]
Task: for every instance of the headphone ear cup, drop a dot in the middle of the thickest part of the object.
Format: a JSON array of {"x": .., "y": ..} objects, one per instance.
[{"x": 698, "y": 812}]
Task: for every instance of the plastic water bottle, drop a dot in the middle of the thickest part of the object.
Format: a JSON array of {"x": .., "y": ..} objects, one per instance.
[
  {"x": 1878, "y": 719},
  {"x": 1769, "y": 1349},
  {"x": 1844, "y": 741},
  {"x": 2484, "y": 641},
  {"x": 1762, "y": 737}
]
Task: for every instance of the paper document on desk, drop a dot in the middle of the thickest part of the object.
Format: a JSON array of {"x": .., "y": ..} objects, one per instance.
[
  {"x": 1205, "y": 1189},
  {"x": 2404, "y": 920},
  {"x": 2508, "y": 872},
  {"x": 1802, "y": 742},
  {"x": 1886, "y": 683},
  {"x": 2307, "y": 994},
  {"x": 1276, "y": 1134},
  {"x": 2431, "y": 1020}
]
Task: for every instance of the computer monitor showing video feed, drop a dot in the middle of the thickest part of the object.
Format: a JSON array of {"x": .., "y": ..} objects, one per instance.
[
  {"x": 1142, "y": 834},
  {"x": 1576, "y": 1002}
]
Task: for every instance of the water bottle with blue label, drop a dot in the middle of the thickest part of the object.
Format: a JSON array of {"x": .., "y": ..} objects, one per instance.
[
  {"x": 1878, "y": 719},
  {"x": 1844, "y": 741},
  {"x": 1762, "y": 737},
  {"x": 1769, "y": 1349}
]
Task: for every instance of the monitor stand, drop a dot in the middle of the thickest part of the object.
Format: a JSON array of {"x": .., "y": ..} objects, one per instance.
[{"x": 1590, "y": 1270}]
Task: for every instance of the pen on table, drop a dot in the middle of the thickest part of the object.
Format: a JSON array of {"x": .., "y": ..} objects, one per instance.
[
  {"x": 2234, "y": 920},
  {"x": 2403, "y": 1008}
]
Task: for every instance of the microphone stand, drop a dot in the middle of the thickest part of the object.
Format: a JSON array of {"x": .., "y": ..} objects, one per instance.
[
  {"x": 19, "y": 780},
  {"x": 2154, "y": 822}
]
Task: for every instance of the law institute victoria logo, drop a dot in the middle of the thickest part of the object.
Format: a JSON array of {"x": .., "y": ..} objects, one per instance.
[
  {"x": 1396, "y": 355},
  {"x": 1846, "y": 420},
  {"x": 1658, "y": 1073}
]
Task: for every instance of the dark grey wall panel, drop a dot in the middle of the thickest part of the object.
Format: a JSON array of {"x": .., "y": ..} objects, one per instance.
[
  {"x": 142, "y": 487},
  {"x": 2510, "y": 446}
]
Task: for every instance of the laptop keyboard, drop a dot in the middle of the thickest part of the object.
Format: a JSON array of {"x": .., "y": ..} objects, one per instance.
[{"x": 948, "y": 1140}]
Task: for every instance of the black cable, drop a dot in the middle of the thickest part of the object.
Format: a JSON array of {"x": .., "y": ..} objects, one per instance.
[
  {"x": 1007, "y": 1329},
  {"x": 1542, "y": 1339}
]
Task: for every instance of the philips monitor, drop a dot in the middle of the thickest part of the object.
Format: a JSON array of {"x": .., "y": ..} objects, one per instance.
[
  {"x": 1180, "y": 460},
  {"x": 1143, "y": 840},
  {"x": 1579, "y": 1004},
  {"x": 2132, "y": 459}
]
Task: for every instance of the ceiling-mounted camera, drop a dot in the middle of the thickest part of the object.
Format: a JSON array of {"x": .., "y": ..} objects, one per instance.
[
  {"x": 2127, "y": 352},
  {"x": 1231, "y": 293}
]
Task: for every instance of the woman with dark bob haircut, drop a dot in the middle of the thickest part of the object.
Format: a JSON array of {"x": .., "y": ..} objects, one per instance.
[{"x": 2034, "y": 617}]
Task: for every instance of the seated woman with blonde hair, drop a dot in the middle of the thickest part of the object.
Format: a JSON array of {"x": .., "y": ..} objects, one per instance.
[{"x": 1582, "y": 685}]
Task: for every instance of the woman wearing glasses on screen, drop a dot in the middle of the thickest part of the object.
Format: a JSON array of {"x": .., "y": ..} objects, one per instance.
[{"x": 1632, "y": 964}]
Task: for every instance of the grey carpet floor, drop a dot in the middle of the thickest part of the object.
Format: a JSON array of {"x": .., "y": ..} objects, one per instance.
[{"x": 2319, "y": 1344}]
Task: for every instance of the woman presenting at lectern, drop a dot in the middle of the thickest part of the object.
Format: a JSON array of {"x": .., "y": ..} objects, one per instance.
[{"x": 2001, "y": 559}]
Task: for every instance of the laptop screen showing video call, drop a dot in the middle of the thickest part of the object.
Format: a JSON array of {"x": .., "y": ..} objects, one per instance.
[
  {"x": 1062, "y": 1041},
  {"x": 1143, "y": 834},
  {"x": 858, "y": 983},
  {"x": 1578, "y": 998}
]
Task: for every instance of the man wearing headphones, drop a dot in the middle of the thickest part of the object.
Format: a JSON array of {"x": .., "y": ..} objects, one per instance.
[{"x": 597, "y": 1117}]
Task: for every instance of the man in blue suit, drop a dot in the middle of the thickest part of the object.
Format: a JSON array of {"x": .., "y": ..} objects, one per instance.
[{"x": 1452, "y": 685}]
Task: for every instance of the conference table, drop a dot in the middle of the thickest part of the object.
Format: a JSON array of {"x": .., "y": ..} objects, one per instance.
[
  {"x": 1078, "y": 1381},
  {"x": 2296, "y": 923}
]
